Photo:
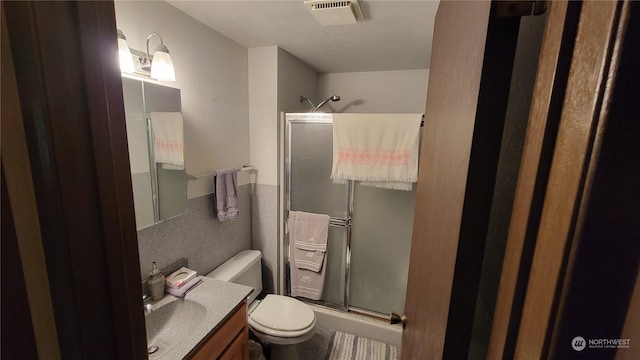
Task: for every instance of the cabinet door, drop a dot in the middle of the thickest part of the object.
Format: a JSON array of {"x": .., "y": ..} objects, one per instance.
[
  {"x": 233, "y": 334},
  {"x": 238, "y": 349}
]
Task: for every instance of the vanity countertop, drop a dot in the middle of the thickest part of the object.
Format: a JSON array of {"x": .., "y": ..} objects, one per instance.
[{"x": 219, "y": 298}]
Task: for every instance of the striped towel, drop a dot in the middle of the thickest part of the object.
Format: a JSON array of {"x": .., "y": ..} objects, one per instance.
[
  {"x": 350, "y": 347},
  {"x": 379, "y": 150},
  {"x": 307, "y": 235},
  {"x": 168, "y": 139}
]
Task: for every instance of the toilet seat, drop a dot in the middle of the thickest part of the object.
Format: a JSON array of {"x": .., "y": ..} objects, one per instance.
[{"x": 282, "y": 316}]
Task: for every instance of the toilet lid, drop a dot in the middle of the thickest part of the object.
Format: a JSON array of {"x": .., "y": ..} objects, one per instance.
[{"x": 283, "y": 313}]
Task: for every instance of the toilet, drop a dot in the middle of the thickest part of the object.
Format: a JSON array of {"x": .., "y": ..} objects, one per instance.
[{"x": 277, "y": 320}]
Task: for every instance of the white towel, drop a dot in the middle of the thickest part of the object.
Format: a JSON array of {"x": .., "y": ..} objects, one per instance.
[
  {"x": 168, "y": 142},
  {"x": 305, "y": 282},
  {"x": 379, "y": 150}
]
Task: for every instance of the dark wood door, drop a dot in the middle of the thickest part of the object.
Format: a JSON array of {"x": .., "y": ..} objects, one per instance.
[
  {"x": 66, "y": 168},
  {"x": 573, "y": 254},
  {"x": 471, "y": 62}
]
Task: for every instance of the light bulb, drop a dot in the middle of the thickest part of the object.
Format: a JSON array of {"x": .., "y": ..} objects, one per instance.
[
  {"x": 126, "y": 61},
  {"x": 162, "y": 67}
]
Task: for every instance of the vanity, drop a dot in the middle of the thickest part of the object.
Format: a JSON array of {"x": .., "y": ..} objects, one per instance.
[{"x": 209, "y": 323}]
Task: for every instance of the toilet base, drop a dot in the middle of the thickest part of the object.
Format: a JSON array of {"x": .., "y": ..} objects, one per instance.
[{"x": 274, "y": 340}]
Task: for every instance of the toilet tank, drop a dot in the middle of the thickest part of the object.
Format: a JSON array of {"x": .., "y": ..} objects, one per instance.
[{"x": 243, "y": 268}]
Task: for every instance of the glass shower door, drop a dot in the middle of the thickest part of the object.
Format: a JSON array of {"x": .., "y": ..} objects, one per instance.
[
  {"x": 370, "y": 234},
  {"x": 380, "y": 247},
  {"x": 310, "y": 162},
  {"x": 311, "y": 190}
]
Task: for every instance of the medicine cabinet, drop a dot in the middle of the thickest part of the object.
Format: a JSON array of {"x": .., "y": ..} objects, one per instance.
[{"x": 159, "y": 189}]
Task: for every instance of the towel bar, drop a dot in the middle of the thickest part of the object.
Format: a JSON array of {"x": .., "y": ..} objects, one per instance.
[{"x": 244, "y": 167}]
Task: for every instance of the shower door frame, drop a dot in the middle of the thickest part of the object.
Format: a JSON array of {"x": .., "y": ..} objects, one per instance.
[{"x": 323, "y": 119}]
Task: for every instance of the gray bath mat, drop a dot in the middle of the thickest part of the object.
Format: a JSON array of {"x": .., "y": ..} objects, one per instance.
[{"x": 350, "y": 347}]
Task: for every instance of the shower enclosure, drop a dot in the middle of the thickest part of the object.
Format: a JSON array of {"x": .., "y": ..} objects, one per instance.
[{"x": 370, "y": 229}]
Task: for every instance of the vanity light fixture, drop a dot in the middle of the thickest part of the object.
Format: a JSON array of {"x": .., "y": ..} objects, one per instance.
[
  {"x": 161, "y": 64},
  {"x": 126, "y": 61},
  {"x": 157, "y": 66}
]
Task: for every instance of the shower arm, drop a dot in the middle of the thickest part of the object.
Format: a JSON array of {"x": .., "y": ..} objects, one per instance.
[
  {"x": 315, "y": 108},
  {"x": 302, "y": 99}
]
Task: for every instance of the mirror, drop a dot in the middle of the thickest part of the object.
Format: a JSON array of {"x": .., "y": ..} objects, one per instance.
[{"x": 156, "y": 151}]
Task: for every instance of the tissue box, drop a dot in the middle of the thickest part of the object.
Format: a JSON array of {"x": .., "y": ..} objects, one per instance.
[
  {"x": 181, "y": 292},
  {"x": 180, "y": 277}
]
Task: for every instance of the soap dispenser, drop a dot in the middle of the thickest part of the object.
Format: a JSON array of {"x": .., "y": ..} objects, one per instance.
[{"x": 156, "y": 283}]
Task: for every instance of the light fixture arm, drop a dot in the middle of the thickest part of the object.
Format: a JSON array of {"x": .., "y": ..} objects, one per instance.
[
  {"x": 161, "y": 47},
  {"x": 149, "y": 38}
]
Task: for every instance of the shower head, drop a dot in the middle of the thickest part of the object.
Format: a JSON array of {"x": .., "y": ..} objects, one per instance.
[{"x": 331, "y": 98}]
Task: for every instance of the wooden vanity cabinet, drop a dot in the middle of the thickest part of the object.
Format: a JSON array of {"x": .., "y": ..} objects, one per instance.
[{"x": 229, "y": 342}]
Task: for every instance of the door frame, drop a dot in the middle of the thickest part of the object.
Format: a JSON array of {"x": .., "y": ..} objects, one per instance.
[
  {"x": 544, "y": 118},
  {"x": 584, "y": 198},
  {"x": 70, "y": 93},
  {"x": 574, "y": 100}
]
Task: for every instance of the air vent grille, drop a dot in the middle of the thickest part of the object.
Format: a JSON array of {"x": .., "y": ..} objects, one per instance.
[
  {"x": 330, "y": 12},
  {"x": 331, "y": 5}
]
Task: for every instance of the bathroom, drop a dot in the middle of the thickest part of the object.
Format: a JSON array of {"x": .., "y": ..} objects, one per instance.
[
  {"x": 230, "y": 119},
  {"x": 231, "y": 97}
]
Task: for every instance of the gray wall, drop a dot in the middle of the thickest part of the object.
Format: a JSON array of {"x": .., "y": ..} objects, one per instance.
[
  {"x": 197, "y": 236},
  {"x": 212, "y": 74},
  {"x": 264, "y": 237},
  {"x": 276, "y": 80},
  {"x": 399, "y": 91}
]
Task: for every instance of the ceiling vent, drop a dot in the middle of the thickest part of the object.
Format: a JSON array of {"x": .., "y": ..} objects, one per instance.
[{"x": 331, "y": 12}]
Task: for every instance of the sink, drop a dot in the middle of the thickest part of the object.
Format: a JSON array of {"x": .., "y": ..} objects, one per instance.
[{"x": 171, "y": 323}]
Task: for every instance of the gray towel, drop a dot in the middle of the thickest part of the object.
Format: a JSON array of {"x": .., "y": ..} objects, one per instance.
[
  {"x": 306, "y": 283},
  {"x": 310, "y": 260},
  {"x": 310, "y": 230},
  {"x": 226, "y": 195}
]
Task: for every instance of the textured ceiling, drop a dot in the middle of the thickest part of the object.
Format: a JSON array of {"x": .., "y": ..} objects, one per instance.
[{"x": 395, "y": 35}]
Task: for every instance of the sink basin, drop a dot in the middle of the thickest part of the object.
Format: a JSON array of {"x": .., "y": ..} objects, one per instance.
[{"x": 170, "y": 324}]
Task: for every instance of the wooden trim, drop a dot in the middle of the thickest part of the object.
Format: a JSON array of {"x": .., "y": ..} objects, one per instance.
[
  {"x": 24, "y": 213},
  {"x": 72, "y": 106},
  {"x": 493, "y": 99},
  {"x": 589, "y": 71},
  {"x": 604, "y": 257},
  {"x": 103, "y": 84},
  {"x": 16, "y": 311},
  {"x": 552, "y": 75}
]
